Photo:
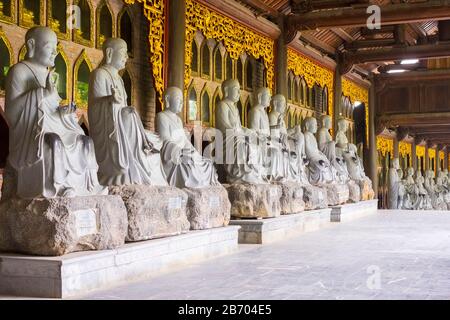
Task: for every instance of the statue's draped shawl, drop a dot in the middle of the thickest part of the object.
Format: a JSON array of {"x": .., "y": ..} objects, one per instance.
[
  {"x": 124, "y": 150},
  {"x": 48, "y": 149}
]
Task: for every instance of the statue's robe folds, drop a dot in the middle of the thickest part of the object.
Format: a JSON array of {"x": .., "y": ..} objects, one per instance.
[
  {"x": 183, "y": 165},
  {"x": 126, "y": 152},
  {"x": 49, "y": 152},
  {"x": 240, "y": 153},
  {"x": 272, "y": 155},
  {"x": 328, "y": 147},
  {"x": 319, "y": 166}
]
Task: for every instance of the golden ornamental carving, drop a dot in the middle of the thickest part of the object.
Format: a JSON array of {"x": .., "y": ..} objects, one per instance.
[
  {"x": 431, "y": 153},
  {"x": 313, "y": 73},
  {"x": 404, "y": 148},
  {"x": 441, "y": 155},
  {"x": 385, "y": 145},
  {"x": 154, "y": 12},
  {"x": 236, "y": 38},
  {"x": 357, "y": 93},
  {"x": 420, "y": 151}
]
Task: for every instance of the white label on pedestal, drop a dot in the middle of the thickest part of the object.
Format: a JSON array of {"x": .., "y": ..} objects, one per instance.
[
  {"x": 85, "y": 222},
  {"x": 214, "y": 202},
  {"x": 174, "y": 203}
]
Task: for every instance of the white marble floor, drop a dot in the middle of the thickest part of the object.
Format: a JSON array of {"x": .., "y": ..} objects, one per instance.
[{"x": 391, "y": 255}]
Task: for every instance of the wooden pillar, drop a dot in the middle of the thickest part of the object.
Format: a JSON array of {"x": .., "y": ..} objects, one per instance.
[
  {"x": 413, "y": 155},
  {"x": 446, "y": 158},
  {"x": 337, "y": 97},
  {"x": 281, "y": 70},
  {"x": 396, "y": 154},
  {"x": 427, "y": 158},
  {"x": 373, "y": 154},
  {"x": 176, "y": 41}
]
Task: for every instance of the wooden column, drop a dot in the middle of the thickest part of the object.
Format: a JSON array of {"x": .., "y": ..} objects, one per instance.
[
  {"x": 373, "y": 154},
  {"x": 337, "y": 97},
  {"x": 446, "y": 158},
  {"x": 396, "y": 155},
  {"x": 281, "y": 70},
  {"x": 427, "y": 159},
  {"x": 413, "y": 155},
  {"x": 176, "y": 40}
]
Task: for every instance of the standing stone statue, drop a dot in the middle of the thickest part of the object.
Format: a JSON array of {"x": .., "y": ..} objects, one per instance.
[
  {"x": 183, "y": 165},
  {"x": 412, "y": 198},
  {"x": 241, "y": 152},
  {"x": 126, "y": 153},
  {"x": 248, "y": 189},
  {"x": 320, "y": 169},
  {"x": 354, "y": 163},
  {"x": 49, "y": 154},
  {"x": 338, "y": 166},
  {"x": 396, "y": 189},
  {"x": 425, "y": 200}
]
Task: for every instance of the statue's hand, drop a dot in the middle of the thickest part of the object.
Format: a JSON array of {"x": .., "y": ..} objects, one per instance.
[{"x": 116, "y": 95}]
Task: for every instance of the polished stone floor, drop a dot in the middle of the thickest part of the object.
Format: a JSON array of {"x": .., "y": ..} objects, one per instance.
[{"x": 391, "y": 255}]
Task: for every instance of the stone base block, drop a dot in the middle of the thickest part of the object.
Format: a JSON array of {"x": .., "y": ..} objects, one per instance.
[
  {"x": 57, "y": 226},
  {"x": 352, "y": 211},
  {"x": 208, "y": 207},
  {"x": 291, "y": 200},
  {"x": 337, "y": 193},
  {"x": 153, "y": 211},
  {"x": 254, "y": 200},
  {"x": 280, "y": 228},
  {"x": 315, "y": 197},
  {"x": 354, "y": 191},
  {"x": 367, "y": 192},
  {"x": 79, "y": 273}
]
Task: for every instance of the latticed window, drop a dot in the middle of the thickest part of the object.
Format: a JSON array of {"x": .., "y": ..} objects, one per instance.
[
  {"x": 5, "y": 60},
  {"x": 84, "y": 31},
  {"x": 249, "y": 75},
  {"x": 57, "y": 15},
  {"x": 61, "y": 73},
  {"x": 82, "y": 84},
  {"x": 30, "y": 12},
  {"x": 229, "y": 67},
  {"x": 218, "y": 74},
  {"x": 239, "y": 72},
  {"x": 6, "y": 8},
  {"x": 205, "y": 107},
  {"x": 206, "y": 60},
  {"x": 194, "y": 60},
  {"x": 104, "y": 24},
  {"x": 126, "y": 30},
  {"x": 192, "y": 105},
  {"x": 289, "y": 84}
]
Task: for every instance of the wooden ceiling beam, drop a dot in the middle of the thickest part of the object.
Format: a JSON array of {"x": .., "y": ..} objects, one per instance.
[
  {"x": 357, "y": 17},
  {"x": 261, "y": 6}
]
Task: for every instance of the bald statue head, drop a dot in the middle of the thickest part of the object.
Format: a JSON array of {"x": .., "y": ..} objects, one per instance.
[
  {"x": 279, "y": 103},
  {"x": 310, "y": 124},
  {"x": 41, "y": 43},
  {"x": 342, "y": 125},
  {"x": 263, "y": 97},
  {"x": 326, "y": 121},
  {"x": 231, "y": 90},
  {"x": 173, "y": 99},
  {"x": 115, "y": 52}
]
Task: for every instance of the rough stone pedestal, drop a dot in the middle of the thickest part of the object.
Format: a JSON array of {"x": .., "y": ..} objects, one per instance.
[
  {"x": 367, "y": 192},
  {"x": 153, "y": 211},
  {"x": 291, "y": 200},
  {"x": 352, "y": 211},
  {"x": 314, "y": 197},
  {"x": 254, "y": 200},
  {"x": 57, "y": 226},
  {"x": 354, "y": 191},
  {"x": 337, "y": 193},
  {"x": 208, "y": 207}
]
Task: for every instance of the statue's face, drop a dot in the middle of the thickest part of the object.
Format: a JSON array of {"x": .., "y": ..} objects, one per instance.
[
  {"x": 175, "y": 100},
  {"x": 342, "y": 125},
  {"x": 264, "y": 99},
  {"x": 233, "y": 92},
  {"x": 45, "y": 51},
  {"x": 327, "y": 122},
  {"x": 119, "y": 57},
  {"x": 280, "y": 105},
  {"x": 312, "y": 125}
]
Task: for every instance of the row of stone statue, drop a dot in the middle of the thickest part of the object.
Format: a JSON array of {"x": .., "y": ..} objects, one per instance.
[
  {"x": 50, "y": 155},
  {"x": 418, "y": 192}
]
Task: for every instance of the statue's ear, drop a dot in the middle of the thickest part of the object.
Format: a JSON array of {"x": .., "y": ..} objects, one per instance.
[
  {"x": 109, "y": 54},
  {"x": 31, "y": 45}
]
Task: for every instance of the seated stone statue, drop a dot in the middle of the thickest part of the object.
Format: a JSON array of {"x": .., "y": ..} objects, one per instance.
[
  {"x": 442, "y": 187},
  {"x": 126, "y": 153},
  {"x": 435, "y": 192},
  {"x": 320, "y": 169},
  {"x": 183, "y": 164},
  {"x": 354, "y": 163},
  {"x": 319, "y": 166},
  {"x": 242, "y": 161},
  {"x": 328, "y": 147},
  {"x": 425, "y": 200},
  {"x": 396, "y": 189},
  {"x": 273, "y": 156},
  {"x": 412, "y": 199},
  {"x": 49, "y": 154}
]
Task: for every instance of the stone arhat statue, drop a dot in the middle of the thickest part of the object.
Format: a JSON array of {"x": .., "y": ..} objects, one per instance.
[
  {"x": 49, "y": 153},
  {"x": 183, "y": 165},
  {"x": 126, "y": 153},
  {"x": 241, "y": 152},
  {"x": 396, "y": 188}
]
